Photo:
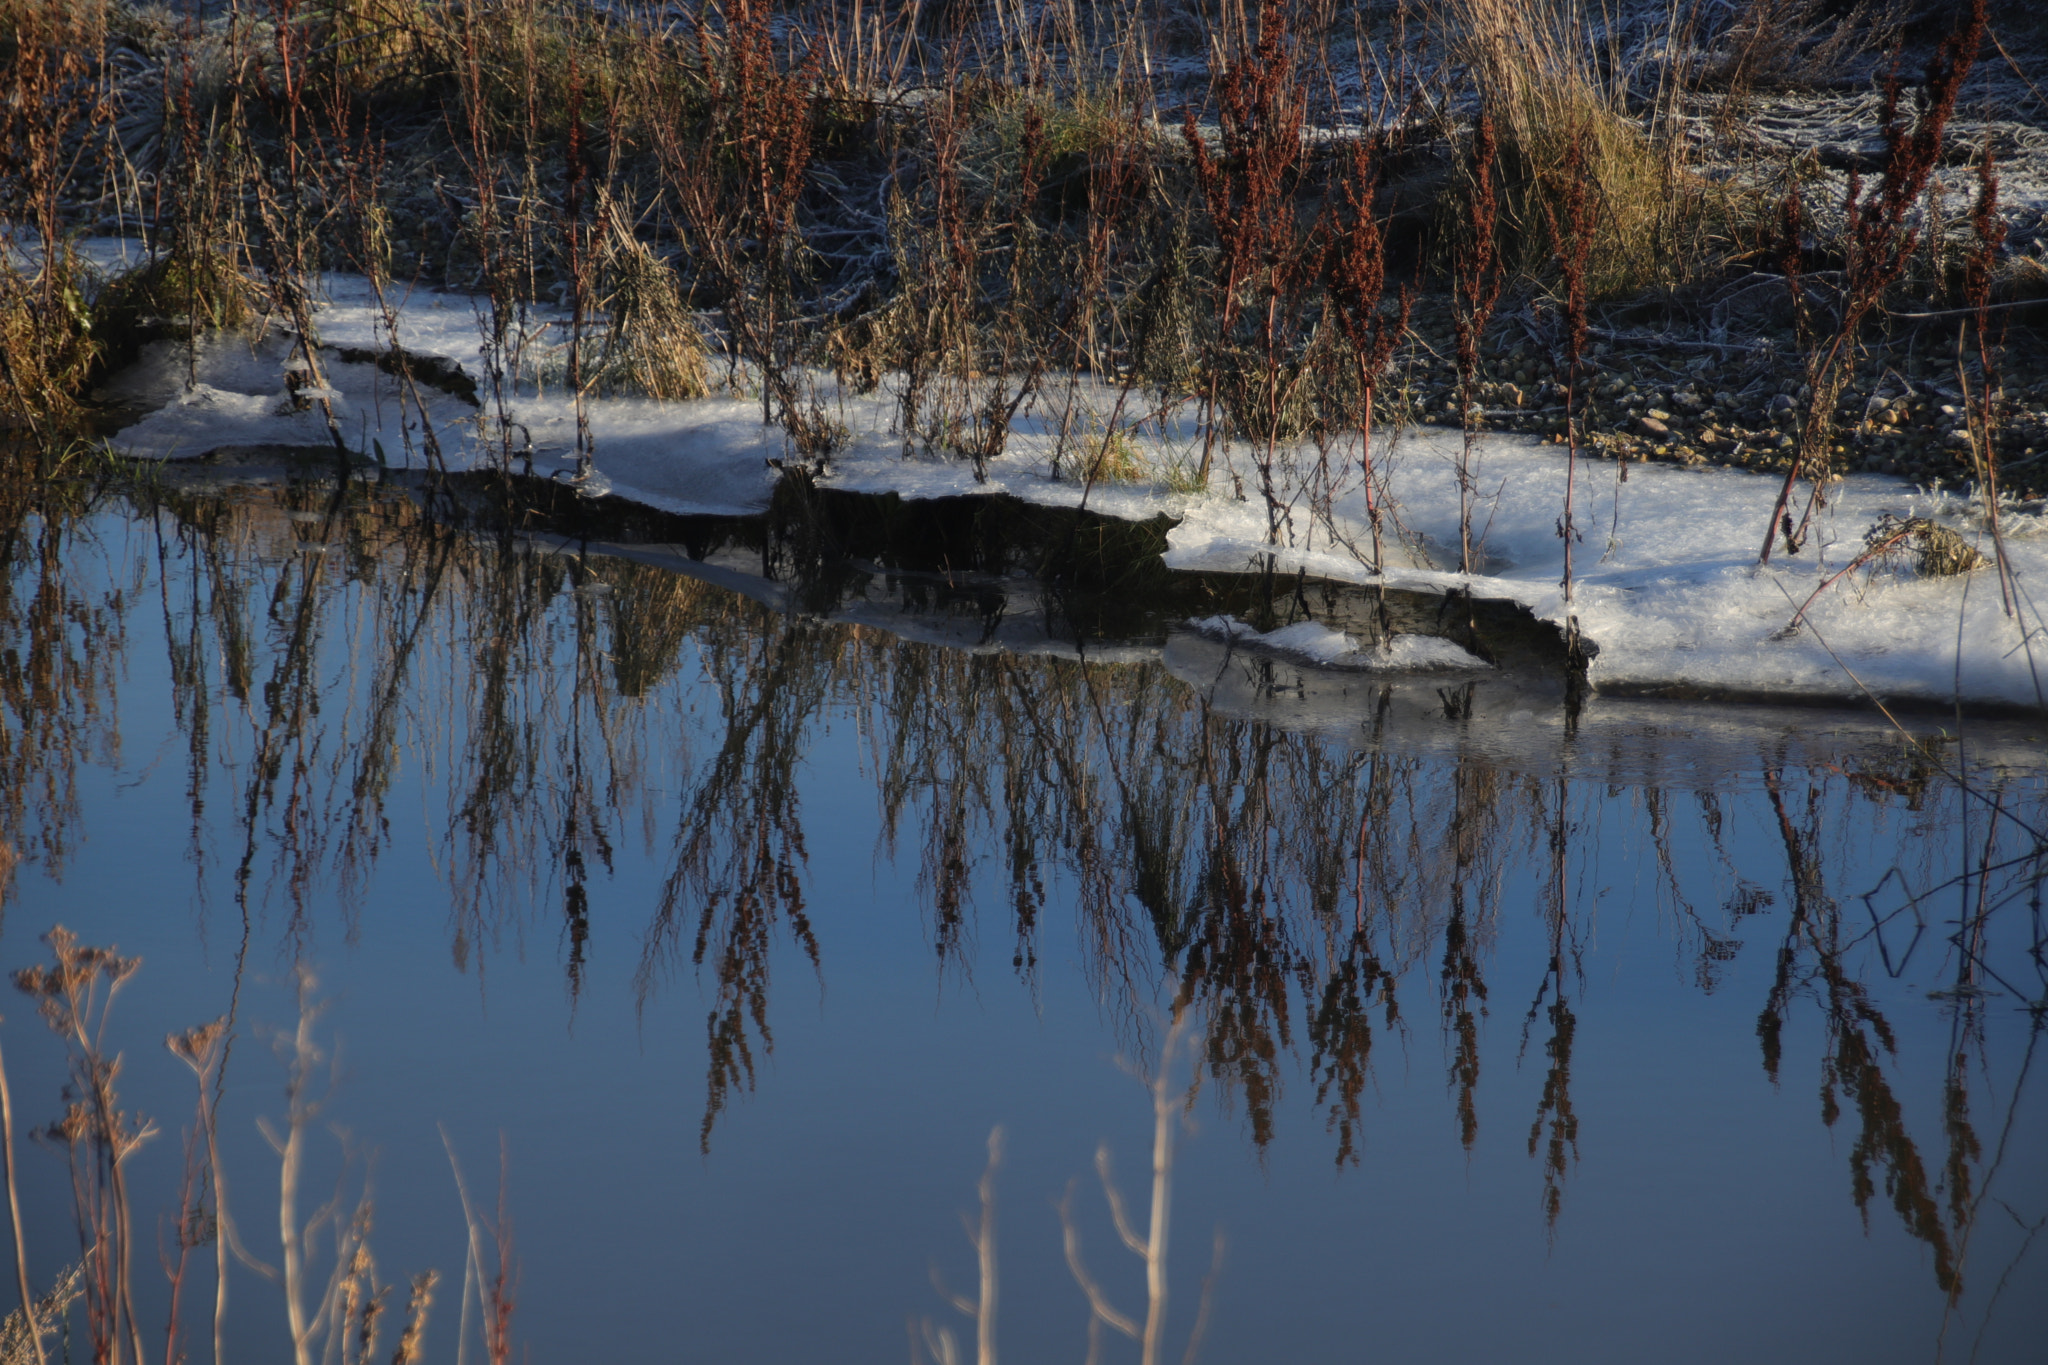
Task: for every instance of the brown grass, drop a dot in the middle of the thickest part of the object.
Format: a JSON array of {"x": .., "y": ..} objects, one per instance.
[
  {"x": 1561, "y": 101},
  {"x": 1880, "y": 238},
  {"x": 753, "y": 183}
]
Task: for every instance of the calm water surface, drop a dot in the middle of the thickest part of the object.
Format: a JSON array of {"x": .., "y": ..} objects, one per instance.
[{"x": 719, "y": 939}]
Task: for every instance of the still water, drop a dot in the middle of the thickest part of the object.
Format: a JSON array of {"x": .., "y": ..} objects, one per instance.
[{"x": 712, "y": 944}]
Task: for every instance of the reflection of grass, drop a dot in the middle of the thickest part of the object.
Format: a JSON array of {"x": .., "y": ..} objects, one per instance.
[{"x": 1286, "y": 877}]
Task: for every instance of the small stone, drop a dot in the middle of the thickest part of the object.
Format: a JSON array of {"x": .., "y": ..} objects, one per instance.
[
  {"x": 1782, "y": 404},
  {"x": 1652, "y": 425},
  {"x": 1658, "y": 415}
]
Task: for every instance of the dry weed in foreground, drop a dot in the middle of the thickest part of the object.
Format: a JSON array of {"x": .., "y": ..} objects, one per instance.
[
  {"x": 75, "y": 995},
  {"x": 489, "y": 1287},
  {"x": 1178, "y": 1048},
  {"x": 940, "y": 1341},
  {"x": 333, "y": 1315},
  {"x": 30, "y": 1344}
]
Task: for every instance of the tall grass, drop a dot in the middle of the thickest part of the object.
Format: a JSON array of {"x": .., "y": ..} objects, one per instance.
[
  {"x": 1358, "y": 289},
  {"x": 733, "y": 150},
  {"x": 986, "y": 209},
  {"x": 1270, "y": 262},
  {"x": 1477, "y": 283},
  {"x": 1880, "y": 238},
  {"x": 1572, "y": 234},
  {"x": 56, "y": 100},
  {"x": 1563, "y": 89}
]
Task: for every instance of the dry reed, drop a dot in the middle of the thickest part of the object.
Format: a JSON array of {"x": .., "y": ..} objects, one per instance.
[{"x": 1880, "y": 238}]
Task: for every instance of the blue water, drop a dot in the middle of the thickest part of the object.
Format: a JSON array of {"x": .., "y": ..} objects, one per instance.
[{"x": 1700, "y": 1209}]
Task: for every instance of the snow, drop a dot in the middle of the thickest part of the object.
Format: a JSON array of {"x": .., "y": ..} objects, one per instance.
[
  {"x": 1665, "y": 578},
  {"x": 1666, "y": 582},
  {"x": 1315, "y": 643}
]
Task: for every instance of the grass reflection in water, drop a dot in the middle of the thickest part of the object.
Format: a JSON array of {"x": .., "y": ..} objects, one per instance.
[{"x": 1267, "y": 894}]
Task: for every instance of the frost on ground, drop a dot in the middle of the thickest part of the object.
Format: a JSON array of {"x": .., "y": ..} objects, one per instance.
[{"x": 1666, "y": 579}]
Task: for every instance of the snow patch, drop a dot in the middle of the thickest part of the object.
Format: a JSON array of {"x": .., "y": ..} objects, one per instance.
[{"x": 1315, "y": 643}]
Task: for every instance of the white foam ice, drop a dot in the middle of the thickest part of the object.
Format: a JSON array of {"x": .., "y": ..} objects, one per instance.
[{"x": 1665, "y": 581}]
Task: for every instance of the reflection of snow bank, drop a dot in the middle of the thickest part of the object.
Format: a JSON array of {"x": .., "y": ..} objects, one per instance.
[
  {"x": 1666, "y": 584},
  {"x": 1316, "y": 643}
]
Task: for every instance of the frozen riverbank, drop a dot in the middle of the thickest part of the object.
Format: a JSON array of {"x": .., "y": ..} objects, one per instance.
[{"x": 1665, "y": 580}]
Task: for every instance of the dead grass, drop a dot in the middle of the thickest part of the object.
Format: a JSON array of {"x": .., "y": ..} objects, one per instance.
[
  {"x": 1114, "y": 459},
  {"x": 652, "y": 346},
  {"x": 206, "y": 291},
  {"x": 1939, "y": 552},
  {"x": 2020, "y": 279},
  {"x": 1560, "y": 94},
  {"x": 48, "y": 348},
  {"x": 986, "y": 218}
]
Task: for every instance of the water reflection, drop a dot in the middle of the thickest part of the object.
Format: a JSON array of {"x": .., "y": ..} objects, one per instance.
[{"x": 1277, "y": 889}]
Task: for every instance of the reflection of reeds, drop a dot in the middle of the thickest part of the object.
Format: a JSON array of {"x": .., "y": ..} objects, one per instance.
[
  {"x": 1858, "y": 1039},
  {"x": 1285, "y": 880}
]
